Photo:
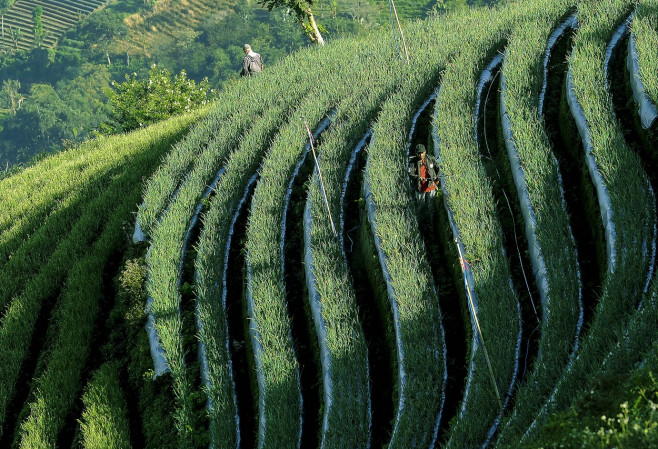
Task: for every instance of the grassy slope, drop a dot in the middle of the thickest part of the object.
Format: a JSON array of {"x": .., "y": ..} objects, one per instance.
[
  {"x": 137, "y": 154},
  {"x": 13, "y": 179}
]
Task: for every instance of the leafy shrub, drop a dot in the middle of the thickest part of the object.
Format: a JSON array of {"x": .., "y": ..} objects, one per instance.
[
  {"x": 136, "y": 103},
  {"x": 612, "y": 414}
]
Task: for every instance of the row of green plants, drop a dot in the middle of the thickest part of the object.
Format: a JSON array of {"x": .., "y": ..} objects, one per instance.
[
  {"x": 240, "y": 108},
  {"x": 56, "y": 388},
  {"x": 48, "y": 274},
  {"x": 645, "y": 31},
  {"x": 629, "y": 217},
  {"x": 546, "y": 221},
  {"x": 104, "y": 418},
  {"x": 343, "y": 350},
  {"x": 165, "y": 252},
  {"x": 59, "y": 201},
  {"x": 266, "y": 288},
  {"x": 343, "y": 353},
  {"x": 468, "y": 195}
]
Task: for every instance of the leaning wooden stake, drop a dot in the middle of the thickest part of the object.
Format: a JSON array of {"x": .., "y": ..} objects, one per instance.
[
  {"x": 404, "y": 44},
  {"x": 477, "y": 323},
  {"x": 317, "y": 165}
]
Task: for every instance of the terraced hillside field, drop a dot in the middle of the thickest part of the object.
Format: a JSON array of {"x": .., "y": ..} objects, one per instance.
[
  {"x": 58, "y": 16},
  {"x": 265, "y": 273}
]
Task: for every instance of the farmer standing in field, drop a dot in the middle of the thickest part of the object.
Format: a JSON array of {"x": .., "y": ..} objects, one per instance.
[
  {"x": 252, "y": 63},
  {"x": 424, "y": 169}
]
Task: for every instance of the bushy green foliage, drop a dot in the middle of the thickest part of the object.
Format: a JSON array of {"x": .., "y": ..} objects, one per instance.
[
  {"x": 617, "y": 411},
  {"x": 136, "y": 103},
  {"x": 152, "y": 396},
  {"x": 6, "y": 4},
  {"x": 11, "y": 96},
  {"x": 37, "y": 18}
]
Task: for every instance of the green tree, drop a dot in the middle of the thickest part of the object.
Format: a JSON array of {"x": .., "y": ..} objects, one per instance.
[
  {"x": 100, "y": 30},
  {"x": 35, "y": 127},
  {"x": 15, "y": 35},
  {"x": 11, "y": 96},
  {"x": 85, "y": 101},
  {"x": 303, "y": 13},
  {"x": 136, "y": 103},
  {"x": 5, "y": 5},
  {"x": 39, "y": 34}
]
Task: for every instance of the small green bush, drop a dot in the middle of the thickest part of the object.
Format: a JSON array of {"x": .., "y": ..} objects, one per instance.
[
  {"x": 612, "y": 414},
  {"x": 135, "y": 104}
]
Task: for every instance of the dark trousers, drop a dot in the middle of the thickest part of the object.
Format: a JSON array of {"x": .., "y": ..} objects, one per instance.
[{"x": 426, "y": 212}]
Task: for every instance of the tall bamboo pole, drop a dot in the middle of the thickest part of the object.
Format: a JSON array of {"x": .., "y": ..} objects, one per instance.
[
  {"x": 404, "y": 44},
  {"x": 477, "y": 324}
]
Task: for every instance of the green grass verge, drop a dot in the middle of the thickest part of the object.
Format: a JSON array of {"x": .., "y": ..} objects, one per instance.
[
  {"x": 52, "y": 215},
  {"x": 40, "y": 191}
]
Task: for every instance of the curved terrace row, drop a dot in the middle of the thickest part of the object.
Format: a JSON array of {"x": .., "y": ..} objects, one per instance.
[{"x": 285, "y": 234}]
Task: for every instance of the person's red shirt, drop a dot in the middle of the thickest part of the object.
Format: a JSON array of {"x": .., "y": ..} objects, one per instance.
[{"x": 425, "y": 186}]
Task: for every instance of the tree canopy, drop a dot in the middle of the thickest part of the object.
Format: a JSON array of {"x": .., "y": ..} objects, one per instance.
[
  {"x": 136, "y": 103},
  {"x": 303, "y": 13}
]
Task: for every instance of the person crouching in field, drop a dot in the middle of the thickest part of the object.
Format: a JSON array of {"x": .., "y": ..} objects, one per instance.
[
  {"x": 252, "y": 63},
  {"x": 424, "y": 170}
]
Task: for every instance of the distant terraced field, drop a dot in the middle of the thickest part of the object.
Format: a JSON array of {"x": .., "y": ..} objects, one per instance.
[
  {"x": 169, "y": 17},
  {"x": 58, "y": 16},
  {"x": 297, "y": 292}
]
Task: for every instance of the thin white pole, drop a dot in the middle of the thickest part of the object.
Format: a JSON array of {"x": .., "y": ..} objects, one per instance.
[
  {"x": 317, "y": 165},
  {"x": 477, "y": 323},
  {"x": 404, "y": 44}
]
